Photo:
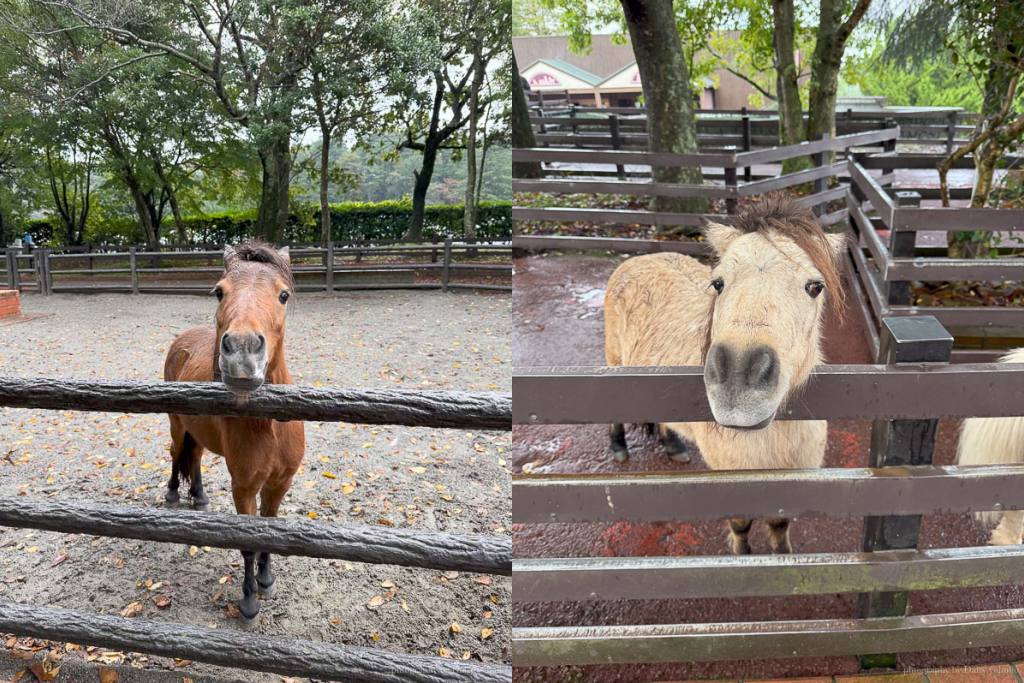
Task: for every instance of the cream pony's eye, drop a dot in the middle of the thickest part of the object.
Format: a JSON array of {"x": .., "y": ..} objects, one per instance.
[
  {"x": 719, "y": 284},
  {"x": 814, "y": 288}
]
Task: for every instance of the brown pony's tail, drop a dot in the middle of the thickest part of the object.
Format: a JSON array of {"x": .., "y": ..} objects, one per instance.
[{"x": 186, "y": 458}]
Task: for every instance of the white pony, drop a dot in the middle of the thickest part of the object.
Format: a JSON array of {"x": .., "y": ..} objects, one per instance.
[
  {"x": 754, "y": 322},
  {"x": 996, "y": 441}
]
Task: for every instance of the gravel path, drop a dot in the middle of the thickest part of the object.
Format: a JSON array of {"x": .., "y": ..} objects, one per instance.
[{"x": 444, "y": 480}]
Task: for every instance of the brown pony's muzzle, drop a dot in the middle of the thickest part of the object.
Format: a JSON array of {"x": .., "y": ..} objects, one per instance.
[
  {"x": 742, "y": 385},
  {"x": 243, "y": 360}
]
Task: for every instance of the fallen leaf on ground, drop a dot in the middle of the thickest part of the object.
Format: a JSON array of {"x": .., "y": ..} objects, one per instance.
[
  {"x": 161, "y": 601},
  {"x": 375, "y": 602},
  {"x": 134, "y": 609},
  {"x": 108, "y": 675},
  {"x": 455, "y": 627},
  {"x": 486, "y": 633}
]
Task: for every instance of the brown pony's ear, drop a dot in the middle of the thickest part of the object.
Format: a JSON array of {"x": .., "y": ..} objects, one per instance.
[
  {"x": 720, "y": 236},
  {"x": 285, "y": 254}
]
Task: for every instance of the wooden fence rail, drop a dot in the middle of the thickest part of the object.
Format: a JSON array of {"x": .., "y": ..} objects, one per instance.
[
  {"x": 361, "y": 543},
  {"x": 414, "y": 408},
  {"x": 330, "y": 268},
  {"x": 278, "y": 535},
  {"x": 905, "y": 396},
  {"x": 225, "y": 647}
]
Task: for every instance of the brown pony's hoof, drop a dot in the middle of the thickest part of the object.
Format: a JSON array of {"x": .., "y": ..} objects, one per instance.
[
  {"x": 249, "y": 610},
  {"x": 620, "y": 454},
  {"x": 200, "y": 505},
  {"x": 172, "y": 498},
  {"x": 267, "y": 592}
]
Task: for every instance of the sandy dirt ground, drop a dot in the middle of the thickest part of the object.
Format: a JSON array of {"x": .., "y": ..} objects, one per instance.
[
  {"x": 559, "y": 320},
  {"x": 442, "y": 480}
]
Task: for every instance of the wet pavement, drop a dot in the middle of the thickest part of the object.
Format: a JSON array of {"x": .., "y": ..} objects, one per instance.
[{"x": 558, "y": 320}]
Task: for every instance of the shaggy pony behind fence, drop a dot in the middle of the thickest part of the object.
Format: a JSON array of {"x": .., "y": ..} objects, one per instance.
[{"x": 754, "y": 322}]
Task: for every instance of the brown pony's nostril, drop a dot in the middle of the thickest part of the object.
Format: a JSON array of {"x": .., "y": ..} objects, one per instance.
[
  {"x": 762, "y": 368},
  {"x": 261, "y": 342},
  {"x": 718, "y": 365},
  {"x": 225, "y": 344}
]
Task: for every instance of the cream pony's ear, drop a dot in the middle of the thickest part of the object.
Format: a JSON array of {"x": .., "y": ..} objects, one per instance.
[
  {"x": 285, "y": 254},
  {"x": 837, "y": 242},
  {"x": 229, "y": 255},
  {"x": 720, "y": 236}
]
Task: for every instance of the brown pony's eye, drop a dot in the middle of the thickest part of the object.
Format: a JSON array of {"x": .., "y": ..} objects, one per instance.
[
  {"x": 284, "y": 297},
  {"x": 814, "y": 288},
  {"x": 719, "y": 284},
  {"x": 218, "y": 292}
]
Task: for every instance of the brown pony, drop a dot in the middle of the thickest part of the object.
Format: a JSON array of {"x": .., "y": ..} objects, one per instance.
[{"x": 245, "y": 350}]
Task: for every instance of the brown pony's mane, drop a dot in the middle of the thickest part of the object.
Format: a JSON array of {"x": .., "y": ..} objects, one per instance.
[
  {"x": 258, "y": 251},
  {"x": 781, "y": 214}
]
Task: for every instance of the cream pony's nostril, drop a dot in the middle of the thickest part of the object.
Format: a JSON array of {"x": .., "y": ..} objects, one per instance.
[
  {"x": 718, "y": 364},
  {"x": 762, "y": 368}
]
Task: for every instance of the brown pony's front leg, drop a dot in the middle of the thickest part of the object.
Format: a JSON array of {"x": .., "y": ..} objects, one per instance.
[
  {"x": 249, "y": 605},
  {"x": 270, "y": 501}
]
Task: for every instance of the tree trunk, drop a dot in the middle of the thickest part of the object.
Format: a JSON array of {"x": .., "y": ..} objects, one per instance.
[
  {"x": 522, "y": 131},
  {"x": 276, "y": 160},
  {"x": 669, "y": 102},
  {"x": 833, "y": 32},
  {"x": 325, "y": 208},
  {"x": 791, "y": 113},
  {"x": 419, "y": 192},
  {"x": 469, "y": 210}
]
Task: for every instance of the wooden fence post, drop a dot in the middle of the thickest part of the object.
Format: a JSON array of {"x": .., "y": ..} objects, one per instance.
[
  {"x": 901, "y": 245},
  {"x": 730, "y": 182},
  {"x": 12, "y": 265},
  {"x": 900, "y": 443},
  {"x": 821, "y": 184},
  {"x": 950, "y": 131},
  {"x": 446, "y": 268},
  {"x": 747, "y": 138},
  {"x": 8, "y": 257},
  {"x": 889, "y": 147},
  {"x": 574, "y": 127},
  {"x": 613, "y": 125},
  {"x": 329, "y": 266},
  {"x": 39, "y": 265},
  {"x": 133, "y": 265}
]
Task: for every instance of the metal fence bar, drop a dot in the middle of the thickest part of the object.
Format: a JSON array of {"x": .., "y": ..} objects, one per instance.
[
  {"x": 458, "y": 409},
  {"x": 357, "y": 543},
  {"x": 581, "y": 645},
  {"x": 617, "y": 244},
  {"x": 226, "y": 647},
  {"x": 728, "y": 576},
  {"x": 842, "y": 492},
  {"x": 598, "y": 395}
]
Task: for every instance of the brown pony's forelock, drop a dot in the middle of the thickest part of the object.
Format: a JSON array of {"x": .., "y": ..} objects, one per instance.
[
  {"x": 258, "y": 251},
  {"x": 781, "y": 214}
]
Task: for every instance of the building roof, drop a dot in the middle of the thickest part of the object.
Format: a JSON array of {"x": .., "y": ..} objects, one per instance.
[
  {"x": 604, "y": 59},
  {"x": 570, "y": 69}
]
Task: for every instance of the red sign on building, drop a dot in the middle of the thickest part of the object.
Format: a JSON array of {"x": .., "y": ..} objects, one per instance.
[{"x": 543, "y": 78}]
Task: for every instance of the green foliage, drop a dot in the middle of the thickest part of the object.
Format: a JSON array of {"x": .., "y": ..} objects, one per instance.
[
  {"x": 931, "y": 82},
  {"x": 387, "y": 220}
]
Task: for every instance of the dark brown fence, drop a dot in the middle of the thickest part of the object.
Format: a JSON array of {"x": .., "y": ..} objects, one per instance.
[
  {"x": 559, "y": 123},
  {"x": 734, "y": 166},
  {"x": 884, "y": 220},
  {"x": 905, "y": 397},
  {"x": 357, "y": 543},
  {"x": 444, "y": 265}
]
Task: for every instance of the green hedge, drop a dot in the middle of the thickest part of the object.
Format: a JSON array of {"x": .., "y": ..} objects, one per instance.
[{"x": 386, "y": 220}]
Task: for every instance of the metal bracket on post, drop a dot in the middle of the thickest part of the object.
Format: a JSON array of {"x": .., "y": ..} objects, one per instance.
[
  {"x": 900, "y": 443},
  {"x": 901, "y": 245},
  {"x": 446, "y": 268}
]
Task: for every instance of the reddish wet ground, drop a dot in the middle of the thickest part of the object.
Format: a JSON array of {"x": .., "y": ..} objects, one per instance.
[{"x": 558, "y": 321}]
